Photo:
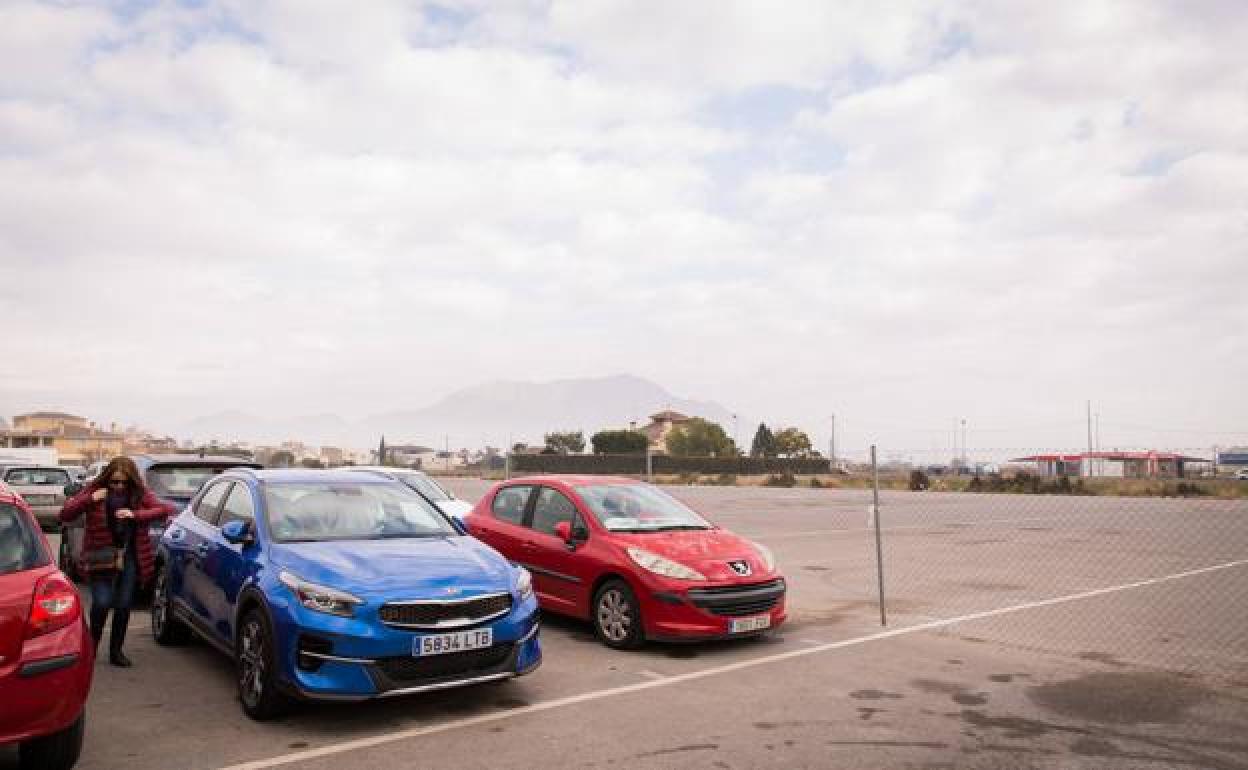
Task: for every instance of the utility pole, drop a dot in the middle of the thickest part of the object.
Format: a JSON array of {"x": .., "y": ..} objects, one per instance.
[
  {"x": 964, "y": 458},
  {"x": 447, "y": 438},
  {"x": 832, "y": 444}
]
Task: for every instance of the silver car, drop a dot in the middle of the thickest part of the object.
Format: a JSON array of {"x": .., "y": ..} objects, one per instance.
[
  {"x": 425, "y": 485},
  {"x": 42, "y": 487}
]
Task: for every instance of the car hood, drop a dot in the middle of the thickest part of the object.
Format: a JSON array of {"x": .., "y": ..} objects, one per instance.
[
  {"x": 709, "y": 551},
  {"x": 415, "y": 568}
]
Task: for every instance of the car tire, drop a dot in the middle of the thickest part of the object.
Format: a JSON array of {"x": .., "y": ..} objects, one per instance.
[
  {"x": 167, "y": 630},
  {"x": 58, "y": 751},
  {"x": 257, "y": 671},
  {"x": 617, "y": 616},
  {"x": 65, "y": 558}
]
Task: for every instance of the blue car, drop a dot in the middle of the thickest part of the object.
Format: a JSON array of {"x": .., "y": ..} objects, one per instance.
[{"x": 331, "y": 585}]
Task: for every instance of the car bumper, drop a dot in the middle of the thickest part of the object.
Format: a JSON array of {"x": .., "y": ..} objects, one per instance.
[
  {"x": 45, "y": 689},
  {"x": 691, "y": 614},
  {"x": 328, "y": 658}
]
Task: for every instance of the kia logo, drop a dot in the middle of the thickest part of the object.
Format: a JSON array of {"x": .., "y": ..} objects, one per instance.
[{"x": 742, "y": 567}]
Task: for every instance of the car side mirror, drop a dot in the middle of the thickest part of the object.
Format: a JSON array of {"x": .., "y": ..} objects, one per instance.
[
  {"x": 238, "y": 532},
  {"x": 563, "y": 531},
  {"x": 72, "y": 489}
]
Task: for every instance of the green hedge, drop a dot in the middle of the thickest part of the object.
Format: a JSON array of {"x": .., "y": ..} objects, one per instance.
[{"x": 635, "y": 465}]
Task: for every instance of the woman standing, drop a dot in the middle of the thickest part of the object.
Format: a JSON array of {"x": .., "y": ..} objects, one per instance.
[{"x": 116, "y": 549}]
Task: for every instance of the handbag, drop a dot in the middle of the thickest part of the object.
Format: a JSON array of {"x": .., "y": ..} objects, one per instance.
[{"x": 106, "y": 559}]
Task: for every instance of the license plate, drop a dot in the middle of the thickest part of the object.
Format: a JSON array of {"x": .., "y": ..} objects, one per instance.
[
  {"x": 745, "y": 625},
  {"x": 459, "y": 641}
]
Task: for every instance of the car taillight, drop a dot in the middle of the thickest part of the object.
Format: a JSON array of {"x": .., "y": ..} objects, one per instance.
[{"x": 56, "y": 605}]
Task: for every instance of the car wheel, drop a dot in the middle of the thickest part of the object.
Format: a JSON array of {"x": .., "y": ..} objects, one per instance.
[
  {"x": 58, "y": 751},
  {"x": 617, "y": 616},
  {"x": 65, "y": 558},
  {"x": 257, "y": 674},
  {"x": 166, "y": 628}
]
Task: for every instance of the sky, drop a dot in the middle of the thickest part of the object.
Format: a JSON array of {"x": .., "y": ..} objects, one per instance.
[{"x": 905, "y": 214}]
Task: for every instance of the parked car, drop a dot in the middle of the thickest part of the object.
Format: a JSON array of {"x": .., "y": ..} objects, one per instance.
[
  {"x": 633, "y": 560},
  {"x": 173, "y": 478},
  {"x": 341, "y": 586},
  {"x": 42, "y": 487},
  {"x": 46, "y": 653},
  {"x": 424, "y": 484}
]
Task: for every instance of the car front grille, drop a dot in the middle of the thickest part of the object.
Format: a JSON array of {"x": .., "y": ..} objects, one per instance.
[
  {"x": 407, "y": 669},
  {"x": 445, "y": 614},
  {"x": 740, "y": 600},
  {"x": 40, "y": 499}
]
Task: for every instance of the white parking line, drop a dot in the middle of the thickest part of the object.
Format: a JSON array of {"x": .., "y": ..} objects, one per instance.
[
  {"x": 416, "y": 732},
  {"x": 932, "y": 525}
]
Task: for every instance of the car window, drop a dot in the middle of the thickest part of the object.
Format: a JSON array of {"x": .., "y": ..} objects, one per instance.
[
  {"x": 19, "y": 545},
  {"x": 211, "y": 501},
  {"x": 550, "y": 509},
  {"x": 181, "y": 481},
  {"x": 424, "y": 485},
  {"x": 239, "y": 506},
  {"x": 509, "y": 503},
  {"x": 28, "y": 477},
  {"x": 337, "y": 510}
]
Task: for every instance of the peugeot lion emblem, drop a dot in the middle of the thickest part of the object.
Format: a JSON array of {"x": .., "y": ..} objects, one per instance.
[{"x": 741, "y": 567}]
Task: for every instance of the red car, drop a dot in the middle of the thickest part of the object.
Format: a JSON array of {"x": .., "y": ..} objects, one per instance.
[
  {"x": 46, "y": 652},
  {"x": 630, "y": 558}
]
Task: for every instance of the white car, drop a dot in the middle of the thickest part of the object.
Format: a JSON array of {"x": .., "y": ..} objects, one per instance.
[{"x": 425, "y": 485}]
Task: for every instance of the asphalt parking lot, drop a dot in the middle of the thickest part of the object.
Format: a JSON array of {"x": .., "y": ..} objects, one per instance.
[{"x": 1023, "y": 631}]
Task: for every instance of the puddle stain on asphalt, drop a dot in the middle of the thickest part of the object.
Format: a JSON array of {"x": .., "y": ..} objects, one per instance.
[
  {"x": 1007, "y": 678},
  {"x": 893, "y": 744},
  {"x": 865, "y": 713},
  {"x": 1120, "y": 698},
  {"x": 678, "y": 750},
  {"x": 795, "y": 723},
  {"x": 874, "y": 695},
  {"x": 1102, "y": 657}
]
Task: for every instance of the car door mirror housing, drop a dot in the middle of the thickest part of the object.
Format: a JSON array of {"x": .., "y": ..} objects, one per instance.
[
  {"x": 563, "y": 531},
  {"x": 237, "y": 532}
]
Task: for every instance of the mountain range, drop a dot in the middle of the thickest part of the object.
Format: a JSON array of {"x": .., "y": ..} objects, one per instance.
[{"x": 492, "y": 413}]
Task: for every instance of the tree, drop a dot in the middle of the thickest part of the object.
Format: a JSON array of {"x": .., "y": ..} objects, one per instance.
[
  {"x": 764, "y": 444},
  {"x": 282, "y": 458},
  {"x": 566, "y": 442},
  {"x": 620, "y": 442},
  {"x": 700, "y": 438},
  {"x": 792, "y": 442},
  {"x": 311, "y": 462}
]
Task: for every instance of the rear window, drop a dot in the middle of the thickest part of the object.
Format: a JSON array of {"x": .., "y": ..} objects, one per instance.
[
  {"x": 181, "y": 481},
  {"x": 29, "y": 477},
  {"x": 20, "y": 547}
]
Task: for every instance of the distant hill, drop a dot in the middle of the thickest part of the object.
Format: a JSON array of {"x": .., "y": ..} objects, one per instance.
[
  {"x": 525, "y": 411},
  {"x": 490, "y": 413}
]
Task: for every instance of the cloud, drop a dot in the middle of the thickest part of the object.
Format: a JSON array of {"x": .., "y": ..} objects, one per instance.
[{"x": 909, "y": 211}]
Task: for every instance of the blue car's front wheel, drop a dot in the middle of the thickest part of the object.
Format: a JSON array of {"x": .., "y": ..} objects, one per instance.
[
  {"x": 257, "y": 670},
  {"x": 166, "y": 629}
]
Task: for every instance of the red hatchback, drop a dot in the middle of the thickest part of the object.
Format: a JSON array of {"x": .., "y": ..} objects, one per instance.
[
  {"x": 630, "y": 558},
  {"x": 46, "y": 653}
]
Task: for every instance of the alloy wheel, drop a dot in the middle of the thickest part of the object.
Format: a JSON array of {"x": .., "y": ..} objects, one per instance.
[
  {"x": 251, "y": 663},
  {"x": 614, "y": 615}
]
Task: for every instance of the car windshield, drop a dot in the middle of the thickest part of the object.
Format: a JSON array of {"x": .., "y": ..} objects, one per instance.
[
  {"x": 30, "y": 477},
  {"x": 318, "y": 511},
  {"x": 19, "y": 546},
  {"x": 639, "y": 508},
  {"x": 181, "y": 481},
  {"x": 424, "y": 485}
]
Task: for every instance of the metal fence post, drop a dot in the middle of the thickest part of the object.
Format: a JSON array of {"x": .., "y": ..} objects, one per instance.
[
  {"x": 879, "y": 548},
  {"x": 507, "y": 466}
]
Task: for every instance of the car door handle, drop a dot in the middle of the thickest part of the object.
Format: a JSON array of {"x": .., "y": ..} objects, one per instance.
[
  {"x": 529, "y": 545},
  {"x": 177, "y": 534},
  {"x": 202, "y": 549}
]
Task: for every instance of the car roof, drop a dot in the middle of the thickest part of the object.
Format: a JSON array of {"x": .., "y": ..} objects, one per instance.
[
  {"x": 313, "y": 475},
  {"x": 575, "y": 480},
  {"x": 382, "y": 469},
  {"x": 193, "y": 459}
]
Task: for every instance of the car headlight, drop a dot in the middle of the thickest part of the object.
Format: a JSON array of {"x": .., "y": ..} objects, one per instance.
[
  {"x": 764, "y": 553},
  {"x": 320, "y": 598},
  {"x": 524, "y": 583},
  {"x": 661, "y": 566}
]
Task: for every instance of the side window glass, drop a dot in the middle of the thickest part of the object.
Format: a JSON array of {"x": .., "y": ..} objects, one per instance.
[
  {"x": 550, "y": 509},
  {"x": 211, "y": 501},
  {"x": 238, "y": 506},
  {"x": 509, "y": 504}
]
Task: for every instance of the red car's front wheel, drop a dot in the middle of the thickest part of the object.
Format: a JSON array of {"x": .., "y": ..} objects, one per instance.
[{"x": 617, "y": 616}]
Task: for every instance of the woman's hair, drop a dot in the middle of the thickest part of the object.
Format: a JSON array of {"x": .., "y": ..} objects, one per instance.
[{"x": 126, "y": 467}]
